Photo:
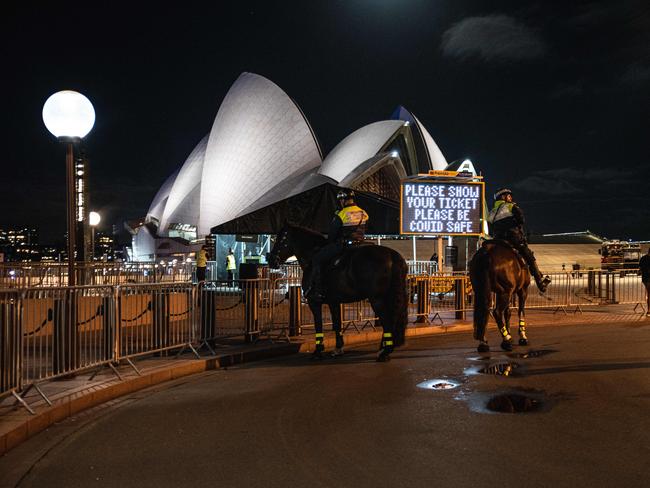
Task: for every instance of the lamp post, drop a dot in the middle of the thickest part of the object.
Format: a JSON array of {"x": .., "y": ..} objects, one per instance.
[
  {"x": 93, "y": 219},
  {"x": 69, "y": 116}
]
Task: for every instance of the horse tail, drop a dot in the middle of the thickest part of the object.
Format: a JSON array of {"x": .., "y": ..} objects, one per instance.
[
  {"x": 479, "y": 275},
  {"x": 397, "y": 291}
]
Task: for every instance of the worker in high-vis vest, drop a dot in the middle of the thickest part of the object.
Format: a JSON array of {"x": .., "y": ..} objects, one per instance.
[
  {"x": 506, "y": 221},
  {"x": 348, "y": 227},
  {"x": 201, "y": 264},
  {"x": 231, "y": 266}
]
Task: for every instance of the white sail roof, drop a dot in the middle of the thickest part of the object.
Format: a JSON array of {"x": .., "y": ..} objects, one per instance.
[
  {"x": 259, "y": 138},
  {"x": 183, "y": 200},
  {"x": 358, "y": 147}
]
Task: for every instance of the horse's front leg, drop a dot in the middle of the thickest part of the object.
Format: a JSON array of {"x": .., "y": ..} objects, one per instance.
[
  {"x": 335, "y": 310},
  {"x": 502, "y": 316},
  {"x": 386, "y": 346},
  {"x": 317, "y": 312},
  {"x": 523, "y": 338}
]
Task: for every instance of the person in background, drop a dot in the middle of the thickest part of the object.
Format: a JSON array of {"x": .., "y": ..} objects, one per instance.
[
  {"x": 434, "y": 260},
  {"x": 231, "y": 266},
  {"x": 644, "y": 267},
  {"x": 201, "y": 264}
]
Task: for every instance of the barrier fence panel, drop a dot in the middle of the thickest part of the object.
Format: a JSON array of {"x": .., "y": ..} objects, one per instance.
[
  {"x": 155, "y": 317},
  {"x": 556, "y": 296},
  {"x": 237, "y": 308},
  {"x": 65, "y": 330},
  {"x": 222, "y": 310},
  {"x": 10, "y": 339}
]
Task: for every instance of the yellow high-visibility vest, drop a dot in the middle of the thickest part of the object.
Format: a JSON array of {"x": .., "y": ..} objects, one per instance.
[{"x": 353, "y": 216}]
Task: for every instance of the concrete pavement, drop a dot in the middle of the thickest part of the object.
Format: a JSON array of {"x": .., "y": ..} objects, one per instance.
[{"x": 74, "y": 395}]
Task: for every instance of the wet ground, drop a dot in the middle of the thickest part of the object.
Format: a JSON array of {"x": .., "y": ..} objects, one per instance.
[{"x": 573, "y": 408}]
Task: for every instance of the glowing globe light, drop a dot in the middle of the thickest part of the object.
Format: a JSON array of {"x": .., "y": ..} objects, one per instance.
[
  {"x": 94, "y": 218},
  {"x": 68, "y": 114}
]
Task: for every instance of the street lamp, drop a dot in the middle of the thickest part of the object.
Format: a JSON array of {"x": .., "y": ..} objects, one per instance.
[
  {"x": 69, "y": 116},
  {"x": 93, "y": 219}
]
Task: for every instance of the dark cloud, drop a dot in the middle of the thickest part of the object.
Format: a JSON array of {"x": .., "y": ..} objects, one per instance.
[
  {"x": 636, "y": 74},
  {"x": 574, "y": 181},
  {"x": 493, "y": 38}
]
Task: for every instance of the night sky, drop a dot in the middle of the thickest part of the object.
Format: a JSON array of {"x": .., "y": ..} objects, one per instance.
[{"x": 549, "y": 98}]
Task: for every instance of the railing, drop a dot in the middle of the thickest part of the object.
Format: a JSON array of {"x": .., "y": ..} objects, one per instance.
[{"x": 28, "y": 275}]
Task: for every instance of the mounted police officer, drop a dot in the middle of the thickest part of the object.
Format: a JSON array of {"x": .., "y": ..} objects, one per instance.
[
  {"x": 507, "y": 222},
  {"x": 348, "y": 227}
]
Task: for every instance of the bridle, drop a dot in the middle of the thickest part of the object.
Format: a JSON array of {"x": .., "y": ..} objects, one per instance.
[{"x": 280, "y": 245}]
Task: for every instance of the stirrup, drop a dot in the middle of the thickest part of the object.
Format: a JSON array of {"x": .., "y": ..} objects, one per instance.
[{"x": 543, "y": 284}]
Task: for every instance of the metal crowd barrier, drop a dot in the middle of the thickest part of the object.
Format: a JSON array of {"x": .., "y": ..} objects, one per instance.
[
  {"x": 155, "y": 318},
  {"x": 49, "y": 332},
  {"x": 28, "y": 275}
]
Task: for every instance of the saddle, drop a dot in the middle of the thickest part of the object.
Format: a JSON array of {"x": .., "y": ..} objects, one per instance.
[
  {"x": 509, "y": 245},
  {"x": 344, "y": 255}
]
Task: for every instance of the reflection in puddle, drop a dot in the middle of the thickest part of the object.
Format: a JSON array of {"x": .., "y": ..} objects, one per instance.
[
  {"x": 510, "y": 401},
  {"x": 500, "y": 369},
  {"x": 531, "y": 354},
  {"x": 513, "y": 403}
]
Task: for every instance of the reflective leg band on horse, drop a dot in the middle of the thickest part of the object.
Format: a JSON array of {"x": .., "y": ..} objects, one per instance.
[
  {"x": 319, "y": 338},
  {"x": 504, "y": 332},
  {"x": 522, "y": 329},
  {"x": 388, "y": 339}
]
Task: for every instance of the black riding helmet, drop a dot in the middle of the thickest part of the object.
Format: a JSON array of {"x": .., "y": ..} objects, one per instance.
[
  {"x": 502, "y": 191},
  {"x": 344, "y": 194}
]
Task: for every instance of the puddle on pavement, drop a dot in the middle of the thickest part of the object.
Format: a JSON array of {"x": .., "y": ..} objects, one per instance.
[
  {"x": 513, "y": 403},
  {"x": 510, "y": 401},
  {"x": 500, "y": 369},
  {"x": 438, "y": 385},
  {"x": 533, "y": 353}
]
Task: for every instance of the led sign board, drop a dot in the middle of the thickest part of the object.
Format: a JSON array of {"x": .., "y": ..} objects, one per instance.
[{"x": 441, "y": 208}]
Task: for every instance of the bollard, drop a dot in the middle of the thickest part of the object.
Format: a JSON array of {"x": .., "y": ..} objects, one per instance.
[
  {"x": 10, "y": 350},
  {"x": 160, "y": 319},
  {"x": 108, "y": 329},
  {"x": 613, "y": 293},
  {"x": 208, "y": 304},
  {"x": 295, "y": 311},
  {"x": 65, "y": 338},
  {"x": 459, "y": 289},
  {"x": 423, "y": 300},
  {"x": 600, "y": 284},
  {"x": 591, "y": 283},
  {"x": 251, "y": 298}
]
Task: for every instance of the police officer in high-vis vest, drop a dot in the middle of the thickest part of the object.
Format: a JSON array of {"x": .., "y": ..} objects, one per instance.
[
  {"x": 506, "y": 222},
  {"x": 347, "y": 228}
]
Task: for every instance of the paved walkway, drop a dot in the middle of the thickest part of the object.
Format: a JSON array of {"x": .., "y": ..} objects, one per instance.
[{"x": 94, "y": 387}]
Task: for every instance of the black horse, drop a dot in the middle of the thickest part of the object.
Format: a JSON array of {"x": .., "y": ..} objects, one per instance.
[
  {"x": 497, "y": 268},
  {"x": 370, "y": 272}
]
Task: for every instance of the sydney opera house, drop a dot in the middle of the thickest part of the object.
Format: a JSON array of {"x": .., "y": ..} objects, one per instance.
[{"x": 261, "y": 165}]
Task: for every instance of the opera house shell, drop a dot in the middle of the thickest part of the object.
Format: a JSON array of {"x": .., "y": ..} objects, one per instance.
[{"x": 261, "y": 149}]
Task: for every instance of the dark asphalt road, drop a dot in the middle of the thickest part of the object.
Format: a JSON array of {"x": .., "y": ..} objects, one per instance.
[{"x": 352, "y": 422}]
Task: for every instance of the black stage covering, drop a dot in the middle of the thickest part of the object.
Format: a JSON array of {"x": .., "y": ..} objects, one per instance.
[{"x": 314, "y": 209}]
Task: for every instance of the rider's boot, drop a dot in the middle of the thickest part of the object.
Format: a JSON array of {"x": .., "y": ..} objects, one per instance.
[{"x": 541, "y": 281}]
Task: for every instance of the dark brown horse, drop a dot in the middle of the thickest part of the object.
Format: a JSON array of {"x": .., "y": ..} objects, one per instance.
[
  {"x": 497, "y": 268},
  {"x": 375, "y": 273}
]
